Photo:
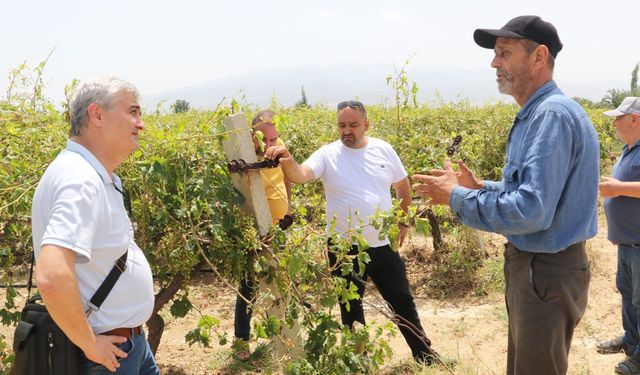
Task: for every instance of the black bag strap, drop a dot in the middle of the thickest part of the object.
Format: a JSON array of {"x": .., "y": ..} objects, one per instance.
[
  {"x": 121, "y": 264},
  {"x": 105, "y": 288},
  {"x": 29, "y": 283},
  {"x": 110, "y": 281}
]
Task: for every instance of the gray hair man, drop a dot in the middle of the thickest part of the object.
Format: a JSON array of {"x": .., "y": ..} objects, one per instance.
[
  {"x": 81, "y": 228},
  {"x": 621, "y": 193}
]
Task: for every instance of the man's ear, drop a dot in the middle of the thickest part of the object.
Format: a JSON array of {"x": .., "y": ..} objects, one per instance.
[
  {"x": 95, "y": 114},
  {"x": 366, "y": 124},
  {"x": 541, "y": 55}
]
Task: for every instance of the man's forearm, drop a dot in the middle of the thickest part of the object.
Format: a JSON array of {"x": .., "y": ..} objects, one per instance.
[
  {"x": 59, "y": 289},
  {"x": 629, "y": 189},
  {"x": 403, "y": 193},
  {"x": 295, "y": 172}
]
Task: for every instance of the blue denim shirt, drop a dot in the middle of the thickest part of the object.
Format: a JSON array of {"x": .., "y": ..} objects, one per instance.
[
  {"x": 547, "y": 199},
  {"x": 623, "y": 221}
]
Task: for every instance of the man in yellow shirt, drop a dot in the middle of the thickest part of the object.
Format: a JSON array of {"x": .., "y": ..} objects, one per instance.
[
  {"x": 276, "y": 186},
  {"x": 278, "y": 191}
]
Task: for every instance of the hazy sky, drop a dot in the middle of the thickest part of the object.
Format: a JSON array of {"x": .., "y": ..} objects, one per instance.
[{"x": 162, "y": 45}]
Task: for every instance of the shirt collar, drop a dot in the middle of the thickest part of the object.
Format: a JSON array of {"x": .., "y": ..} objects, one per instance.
[
  {"x": 626, "y": 148},
  {"x": 93, "y": 161},
  {"x": 541, "y": 92}
]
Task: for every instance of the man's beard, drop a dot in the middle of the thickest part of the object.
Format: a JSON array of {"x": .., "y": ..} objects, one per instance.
[
  {"x": 349, "y": 141},
  {"x": 505, "y": 84}
]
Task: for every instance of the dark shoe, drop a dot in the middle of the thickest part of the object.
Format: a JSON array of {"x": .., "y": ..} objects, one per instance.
[
  {"x": 630, "y": 366},
  {"x": 612, "y": 346}
]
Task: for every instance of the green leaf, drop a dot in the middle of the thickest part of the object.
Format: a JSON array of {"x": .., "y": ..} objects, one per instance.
[
  {"x": 422, "y": 226},
  {"x": 208, "y": 322},
  {"x": 260, "y": 332},
  {"x": 259, "y": 135},
  {"x": 272, "y": 326},
  {"x": 180, "y": 308}
]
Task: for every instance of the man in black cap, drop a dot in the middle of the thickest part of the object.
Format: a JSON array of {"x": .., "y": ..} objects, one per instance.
[{"x": 545, "y": 204}]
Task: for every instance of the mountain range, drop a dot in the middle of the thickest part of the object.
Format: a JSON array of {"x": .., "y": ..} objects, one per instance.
[{"x": 366, "y": 82}]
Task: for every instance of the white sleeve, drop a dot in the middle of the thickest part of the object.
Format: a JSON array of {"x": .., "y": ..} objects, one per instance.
[
  {"x": 74, "y": 218},
  {"x": 399, "y": 173},
  {"x": 317, "y": 162}
]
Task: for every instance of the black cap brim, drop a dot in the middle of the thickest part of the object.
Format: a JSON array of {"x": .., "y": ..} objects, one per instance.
[{"x": 486, "y": 38}]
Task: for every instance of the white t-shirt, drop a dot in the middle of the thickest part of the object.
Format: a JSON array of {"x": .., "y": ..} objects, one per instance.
[
  {"x": 356, "y": 183},
  {"x": 76, "y": 206}
]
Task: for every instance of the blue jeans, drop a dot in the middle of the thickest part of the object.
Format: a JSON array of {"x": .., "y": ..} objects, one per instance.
[
  {"x": 628, "y": 283},
  {"x": 139, "y": 361}
]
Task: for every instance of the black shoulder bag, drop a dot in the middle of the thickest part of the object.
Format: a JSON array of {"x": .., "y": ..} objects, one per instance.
[{"x": 40, "y": 346}]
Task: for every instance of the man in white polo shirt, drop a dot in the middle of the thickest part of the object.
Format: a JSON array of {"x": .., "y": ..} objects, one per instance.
[
  {"x": 81, "y": 228},
  {"x": 357, "y": 173}
]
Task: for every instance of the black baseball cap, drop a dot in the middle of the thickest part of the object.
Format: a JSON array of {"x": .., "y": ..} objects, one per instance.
[{"x": 523, "y": 27}]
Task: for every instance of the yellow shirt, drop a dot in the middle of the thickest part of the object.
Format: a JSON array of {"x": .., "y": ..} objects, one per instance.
[{"x": 275, "y": 190}]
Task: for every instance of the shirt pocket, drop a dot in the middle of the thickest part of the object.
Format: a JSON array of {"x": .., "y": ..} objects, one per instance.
[
  {"x": 510, "y": 175},
  {"x": 381, "y": 172},
  {"x": 633, "y": 172}
]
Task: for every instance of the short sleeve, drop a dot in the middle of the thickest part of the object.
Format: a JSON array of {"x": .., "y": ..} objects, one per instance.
[
  {"x": 399, "y": 173},
  {"x": 317, "y": 162},
  {"x": 74, "y": 217}
]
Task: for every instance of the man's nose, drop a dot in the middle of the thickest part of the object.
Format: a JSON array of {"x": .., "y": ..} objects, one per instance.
[{"x": 495, "y": 62}]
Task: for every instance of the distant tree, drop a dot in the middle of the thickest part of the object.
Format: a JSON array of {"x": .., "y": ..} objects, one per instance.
[
  {"x": 614, "y": 97},
  {"x": 303, "y": 100},
  {"x": 180, "y": 106}
]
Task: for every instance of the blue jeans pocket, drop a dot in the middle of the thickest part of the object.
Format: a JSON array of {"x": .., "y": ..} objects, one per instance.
[{"x": 96, "y": 368}]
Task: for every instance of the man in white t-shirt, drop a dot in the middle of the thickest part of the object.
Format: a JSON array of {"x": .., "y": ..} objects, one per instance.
[
  {"x": 357, "y": 173},
  {"x": 81, "y": 229}
]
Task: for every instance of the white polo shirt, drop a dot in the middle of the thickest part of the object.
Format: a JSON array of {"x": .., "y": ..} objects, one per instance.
[
  {"x": 357, "y": 182},
  {"x": 77, "y": 206}
]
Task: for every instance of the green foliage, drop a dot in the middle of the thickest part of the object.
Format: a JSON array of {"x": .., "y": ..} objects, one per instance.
[
  {"x": 202, "y": 334},
  {"x": 404, "y": 89},
  {"x": 587, "y": 103},
  {"x": 6, "y": 357},
  {"x": 189, "y": 214},
  {"x": 332, "y": 349}
]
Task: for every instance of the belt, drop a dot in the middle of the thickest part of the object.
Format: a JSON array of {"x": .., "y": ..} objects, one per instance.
[{"x": 124, "y": 332}]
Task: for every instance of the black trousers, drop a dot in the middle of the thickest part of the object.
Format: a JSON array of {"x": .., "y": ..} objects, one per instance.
[
  {"x": 242, "y": 314},
  {"x": 387, "y": 271},
  {"x": 546, "y": 296}
]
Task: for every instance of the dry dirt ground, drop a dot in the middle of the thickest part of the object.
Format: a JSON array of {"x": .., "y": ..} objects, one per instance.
[{"x": 471, "y": 330}]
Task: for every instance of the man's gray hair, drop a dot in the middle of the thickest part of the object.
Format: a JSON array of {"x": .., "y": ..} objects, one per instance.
[{"x": 99, "y": 90}]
